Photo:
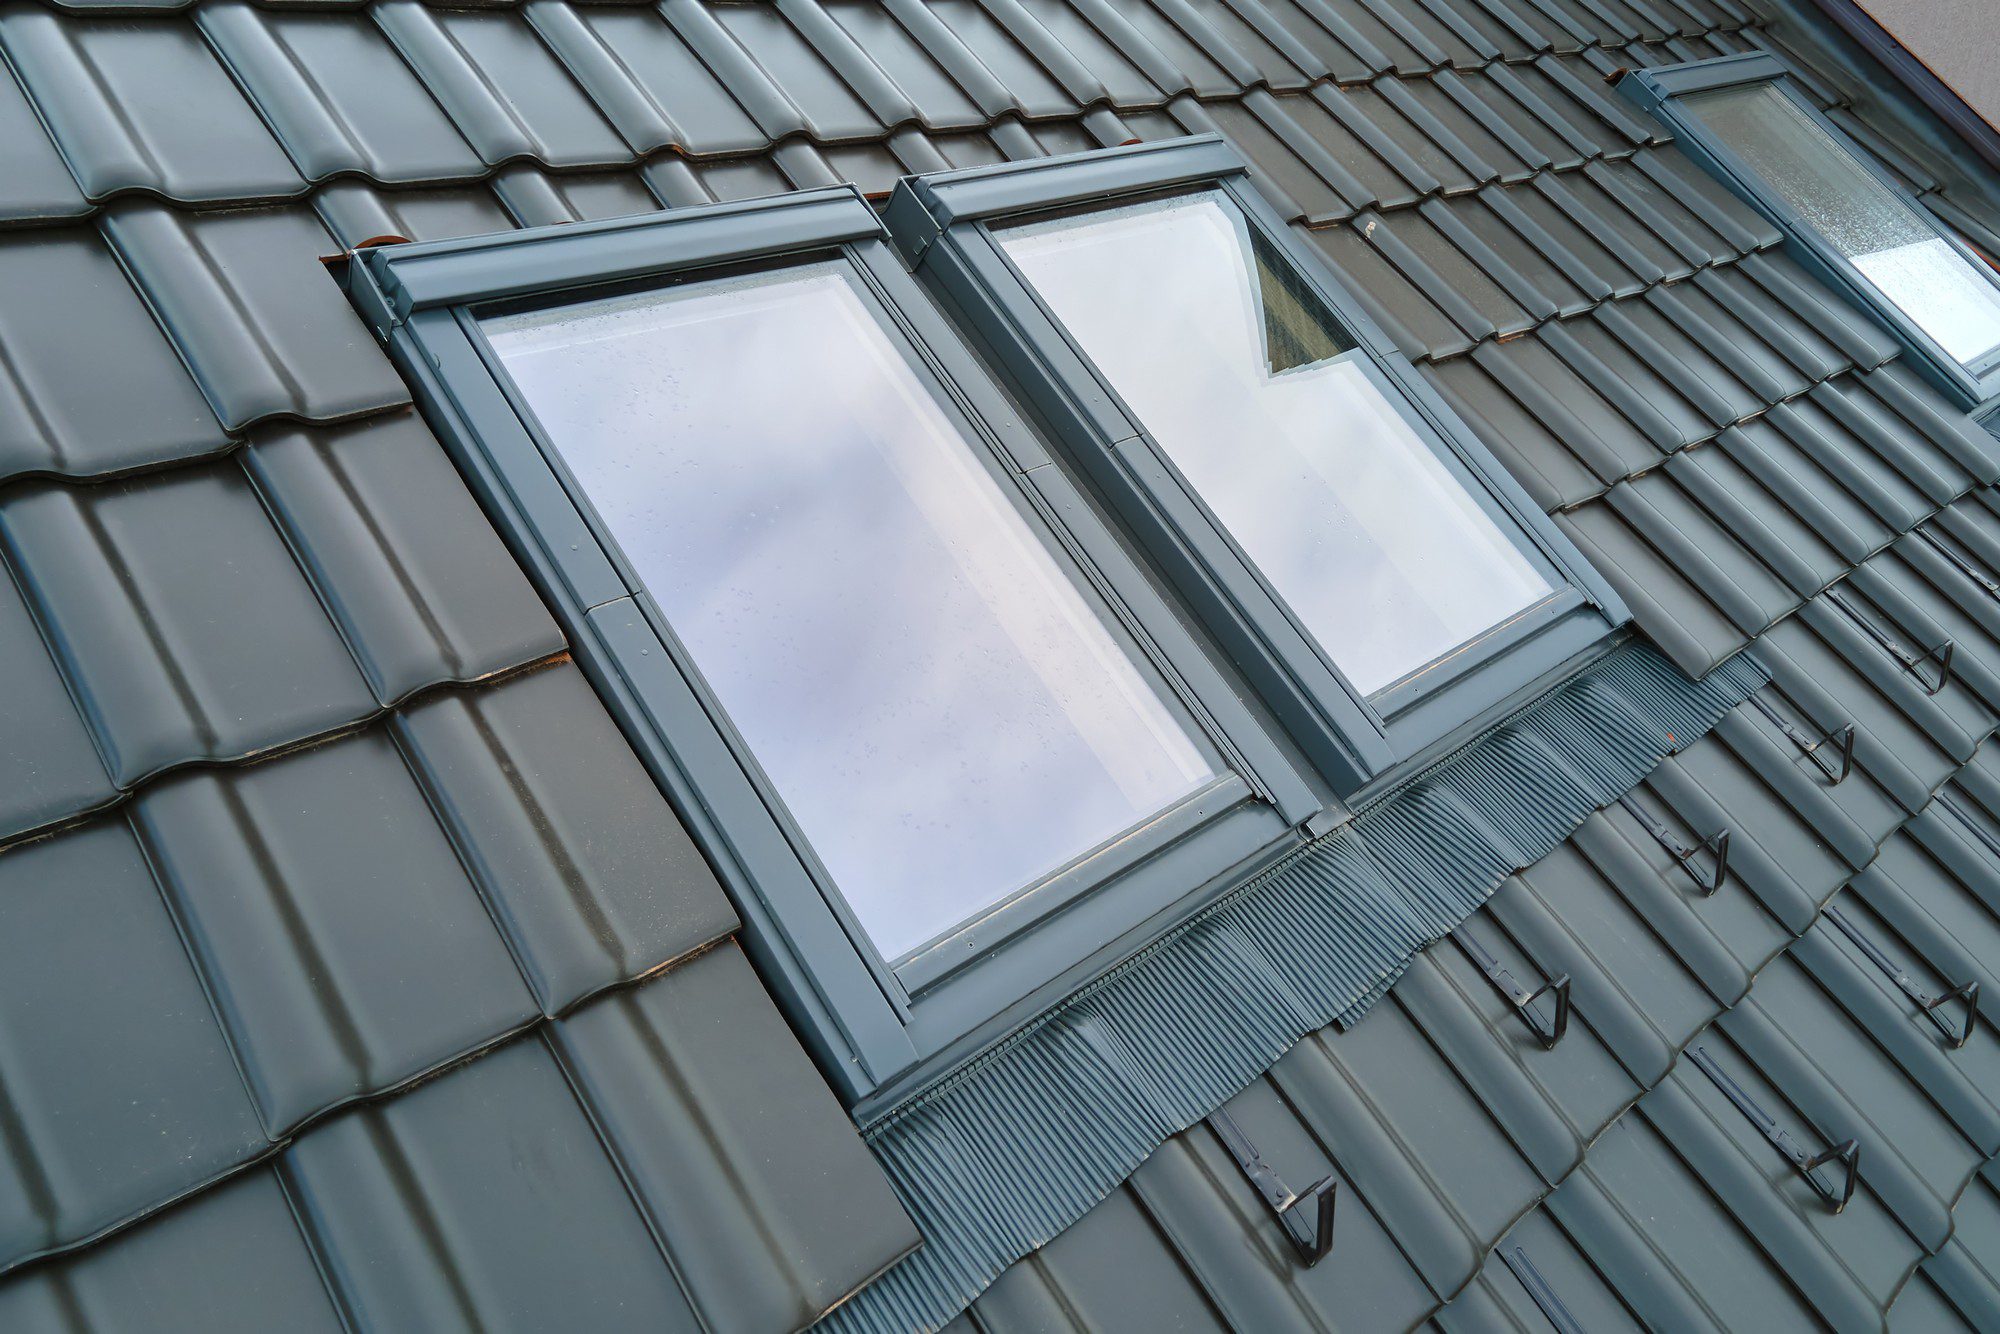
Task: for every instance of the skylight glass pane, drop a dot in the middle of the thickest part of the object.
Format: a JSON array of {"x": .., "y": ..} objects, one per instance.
[
  {"x": 1253, "y": 391},
  {"x": 1900, "y": 254},
  {"x": 944, "y": 714}
]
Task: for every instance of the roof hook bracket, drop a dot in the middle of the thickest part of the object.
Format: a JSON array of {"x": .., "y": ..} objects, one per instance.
[
  {"x": 1307, "y": 1216},
  {"x": 1847, "y": 1153},
  {"x": 1716, "y": 845},
  {"x": 1929, "y": 1006},
  {"x": 1958, "y": 561},
  {"x": 1548, "y": 1033},
  {"x": 1540, "y": 1292},
  {"x": 1832, "y": 751},
  {"x": 1913, "y": 663}
]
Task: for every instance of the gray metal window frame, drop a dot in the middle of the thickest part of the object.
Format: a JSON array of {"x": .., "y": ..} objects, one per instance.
[
  {"x": 944, "y": 223},
  {"x": 1659, "y": 91},
  {"x": 874, "y": 1024}
]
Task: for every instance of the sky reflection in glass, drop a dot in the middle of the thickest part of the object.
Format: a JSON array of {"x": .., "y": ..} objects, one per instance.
[
  {"x": 1250, "y": 387},
  {"x": 944, "y": 715}
]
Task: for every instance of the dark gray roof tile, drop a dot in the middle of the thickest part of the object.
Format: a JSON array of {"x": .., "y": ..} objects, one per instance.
[
  {"x": 1418, "y": 327},
  {"x": 483, "y": 1200},
  {"x": 1306, "y": 174},
  {"x": 893, "y": 46},
  {"x": 120, "y": 1089},
  {"x": 1629, "y": 383},
  {"x": 1701, "y": 199},
  {"x": 1044, "y": 82},
  {"x": 35, "y": 186},
  {"x": 1416, "y": 166},
  {"x": 1451, "y": 280},
  {"x": 1378, "y": 37},
  {"x": 678, "y": 181},
  {"x": 363, "y": 111},
  {"x": 1252, "y": 33},
  {"x": 1677, "y": 355},
  {"x": 1190, "y": 44},
  {"x": 1760, "y": 354},
  {"x": 344, "y": 946},
  {"x": 1473, "y": 141},
  {"x": 582, "y": 863},
  {"x": 786, "y": 85},
  {"x": 537, "y": 198},
  {"x": 58, "y": 414},
  {"x": 231, "y": 1259},
  {"x": 1549, "y": 378},
  {"x": 1539, "y": 1252},
  {"x": 643, "y": 77},
  {"x": 1874, "y": 476},
  {"x": 1674, "y": 614},
  {"x": 502, "y": 87},
  {"x": 1562, "y": 239},
  {"x": 1095, "y": 36},
  {"x": 261, "y": 325},
  {"x": 716, "y": 1117},
  {"x": 1196, "y": 1195},
  {"x": 1418, "y": 138},
  {"x": 49, "y": 768},
  {"x": 1535, "y": 457},
  {"x": 412, "y": 574},
  {"x": 1760, "y": 522},
  {"x": 1106, "y": 1270},
  {"x": 1787, "y": 288},
  {"x": 143, "y": 104},
  {"x": 357, "y": 212},
  {"x": 1548, "y": 287},
  {"x": 1411, "y": 1138},
  {"x": 180, "y": 621}
]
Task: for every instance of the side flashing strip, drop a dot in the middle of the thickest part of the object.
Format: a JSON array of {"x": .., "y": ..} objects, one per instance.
[{"x": 1000, "y": 1156}]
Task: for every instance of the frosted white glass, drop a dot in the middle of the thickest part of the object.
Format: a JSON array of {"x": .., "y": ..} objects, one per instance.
[{"x": 1899, "y": 252}]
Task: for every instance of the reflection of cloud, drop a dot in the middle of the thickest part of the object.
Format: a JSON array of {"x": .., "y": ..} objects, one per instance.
[
  {"x": 943, "y": 715},
  {"x": 1375, "y": 547}
]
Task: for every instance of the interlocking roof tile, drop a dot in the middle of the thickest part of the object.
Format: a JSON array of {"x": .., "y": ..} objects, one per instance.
[
  {"x": 34, "y": 183},
  {"x": 143, "y": 105},
  {"x": 496, "y": 1178},
  {"x": 691, "y": 1123},
  {"x": 181, "y": 623},
  {"x": 121, "y": 1093},
  {"x": 231, "y": 1258},
  {"x": 564, "y": 833},
  {"x": 537, "y": 198},
  {"x": 644, "y": 78},
  {"x": 363, "y": 111},
  {"x": 356, "y": 212},
  {"x": 404, "y": 562},
  {"x": 57, "y": 414},
  {"x": 244, "y": 299},
  {"x": 333, "y": 925},
  {"x": 501, "y": 86}
]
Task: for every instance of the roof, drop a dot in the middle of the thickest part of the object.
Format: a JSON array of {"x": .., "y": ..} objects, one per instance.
[{"x": 351, "y": 967}]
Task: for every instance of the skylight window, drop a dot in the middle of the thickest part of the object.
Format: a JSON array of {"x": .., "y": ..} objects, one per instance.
[
  {"x": 1267, "y": 408},
  {"x": 937, "y": 731},
  {"x": 1339, "y": 532},
  {"x": 1897, "y": 248},
  {"x": 1843, "y": 215},
  {"x": 942, "y": 710}
]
